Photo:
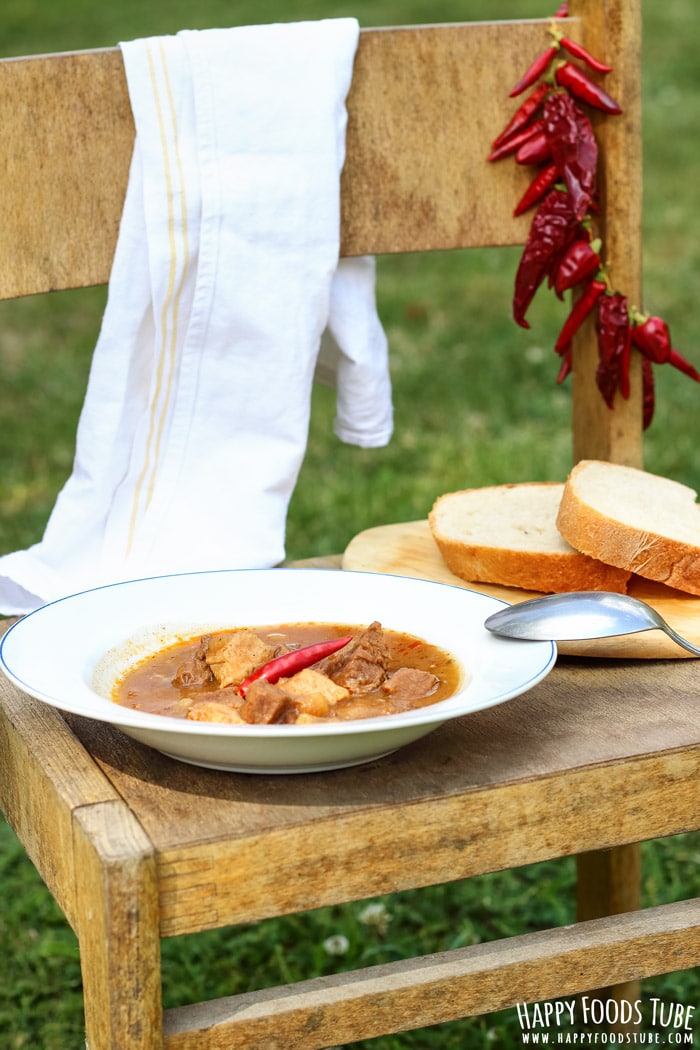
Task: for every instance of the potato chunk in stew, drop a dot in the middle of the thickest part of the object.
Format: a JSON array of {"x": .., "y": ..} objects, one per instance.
[
  {"x": 232, "y": 657},
  {"x": 314, "y": 691},
  {"x": 214, "y": 711},
  {"x": 221, "y": 677}
]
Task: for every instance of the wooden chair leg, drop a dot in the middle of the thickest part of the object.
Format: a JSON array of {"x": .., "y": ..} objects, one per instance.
[
  {"x": 608, "y": 883},
  {"x": 117, "y": 928}
]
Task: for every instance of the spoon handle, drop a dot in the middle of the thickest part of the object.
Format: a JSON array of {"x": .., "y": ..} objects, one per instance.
[{"x": 683, "y": 642}]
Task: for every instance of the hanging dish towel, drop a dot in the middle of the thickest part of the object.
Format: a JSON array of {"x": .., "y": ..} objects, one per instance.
[{"x": 226, "y": 298}]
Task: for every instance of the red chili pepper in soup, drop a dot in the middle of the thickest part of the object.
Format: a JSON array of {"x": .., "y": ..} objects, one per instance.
[{"x": 289, "y": 663}]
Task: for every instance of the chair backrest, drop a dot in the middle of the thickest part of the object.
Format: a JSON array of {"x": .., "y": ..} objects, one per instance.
[{"x": 424, "y": 106}]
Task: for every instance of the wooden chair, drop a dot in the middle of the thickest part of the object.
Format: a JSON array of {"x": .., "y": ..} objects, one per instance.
[{"x": 136, "y": 847}]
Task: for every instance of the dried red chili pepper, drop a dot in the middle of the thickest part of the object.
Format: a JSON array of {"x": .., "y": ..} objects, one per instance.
[
  {"x": 542, "y": 182},
  {"x": 614, "y": 341},
  {"x": 679, "y": 362},
  {"x": 583, "y": 88},
  {"x": 566, "y": 365},
  {"x": 554, "y": 226},
  {"x": 580, "y": 261},
  {"x": 648, "y": 392},
  {"x": 579, "y": 312},
  {"x": 535, "y": 71},
  {"x": 536, "y": 150},
  {"x": 289, "y": 663},
  {"x": 513, "y": 143},
  {"x": 573, "y": 148},
  {"x": 578, "y": 51},
  {"x": 648, "y": 384},
  {"x": 562, "y": 11},
  {"x": 523, "y": 114},
  {"x": 652, "y": 336}
]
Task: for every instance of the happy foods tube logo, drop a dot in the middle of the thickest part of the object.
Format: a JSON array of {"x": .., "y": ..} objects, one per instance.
[{"x": 589, "y": 1021}]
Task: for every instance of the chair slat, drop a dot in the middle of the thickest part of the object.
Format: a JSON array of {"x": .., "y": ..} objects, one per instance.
[
  {"x": 480, "y": 979},
  {"x": 413, "y": 178}
]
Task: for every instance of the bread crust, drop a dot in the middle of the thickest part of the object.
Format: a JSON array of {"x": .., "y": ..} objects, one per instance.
[
  {"x": 646, "y": 552},
  {"x": 546, "y": 570}
]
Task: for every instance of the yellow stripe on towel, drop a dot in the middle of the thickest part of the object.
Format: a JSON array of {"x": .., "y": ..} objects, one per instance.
[{"x": 170, "y": 312}]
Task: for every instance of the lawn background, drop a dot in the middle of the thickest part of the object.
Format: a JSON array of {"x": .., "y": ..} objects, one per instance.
[{"x": 476, "y": 403}]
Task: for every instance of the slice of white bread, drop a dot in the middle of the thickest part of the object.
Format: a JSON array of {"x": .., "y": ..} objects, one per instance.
[
  {"x": 507, "y": 534},
  {"x": 640, "y": 522}
]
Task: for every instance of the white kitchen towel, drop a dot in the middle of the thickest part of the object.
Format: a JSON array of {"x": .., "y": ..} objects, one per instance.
[{"x": 226, "y": 298}]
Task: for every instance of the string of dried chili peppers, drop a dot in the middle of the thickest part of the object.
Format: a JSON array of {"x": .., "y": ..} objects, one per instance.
[{"x": 550, "y": 131}]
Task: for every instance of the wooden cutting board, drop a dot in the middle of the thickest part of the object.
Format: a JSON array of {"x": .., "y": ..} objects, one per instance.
[{"x": 408, "y": 549}]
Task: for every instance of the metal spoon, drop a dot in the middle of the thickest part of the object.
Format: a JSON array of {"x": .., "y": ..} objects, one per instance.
[{"x": 581, "y": 614}]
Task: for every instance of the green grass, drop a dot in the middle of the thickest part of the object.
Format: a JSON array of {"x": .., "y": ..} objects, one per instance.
[{"x": 476, "y": 403}]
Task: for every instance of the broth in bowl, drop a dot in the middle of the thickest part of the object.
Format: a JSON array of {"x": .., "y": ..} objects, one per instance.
[{"x": 291, "y": 673}]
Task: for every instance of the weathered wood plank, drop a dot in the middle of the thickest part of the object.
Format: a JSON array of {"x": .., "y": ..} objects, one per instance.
[
  {"x": 117, "y": 913},
  {"x": 45, "y": 774},
  {"x": 613, "y": 31},
  {"x": 61, "y": 201},
  {"x": 437, "y": 840},
  {"x": 471, "y": 981}
]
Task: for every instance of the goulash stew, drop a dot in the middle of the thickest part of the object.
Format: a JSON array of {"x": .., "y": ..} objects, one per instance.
[{"x": 291, "y": 673}]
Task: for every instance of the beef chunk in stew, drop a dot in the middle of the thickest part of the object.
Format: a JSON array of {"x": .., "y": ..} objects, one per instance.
[
  {"x": 265, "y": 703},
  {"x": 195, "y": 670},
  {"x": 409, "y": 684},
  {"x": 361, "y": 666}
]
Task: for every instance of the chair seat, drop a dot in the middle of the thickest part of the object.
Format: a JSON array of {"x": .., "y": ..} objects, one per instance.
[
  {"x": 609, "y": 749},
  {"x": 598, "y": 754},
  {"x": 603, "y": 744}
]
